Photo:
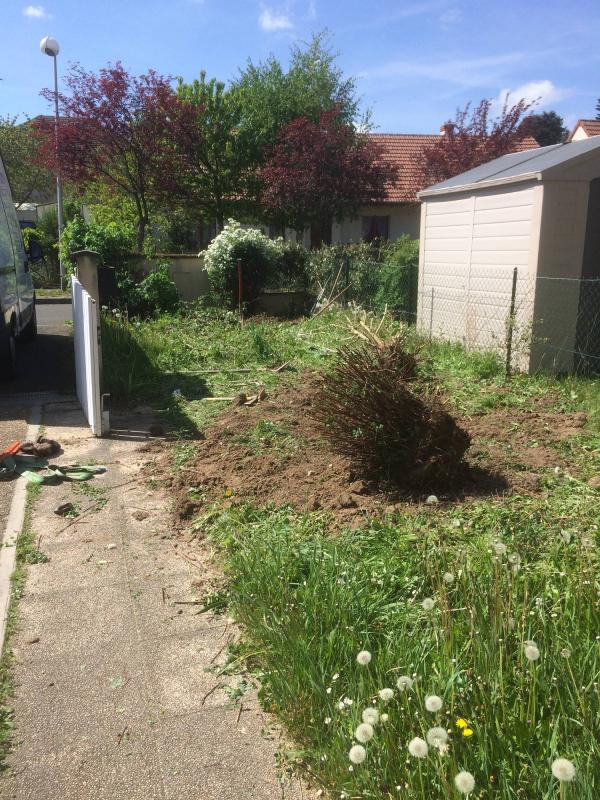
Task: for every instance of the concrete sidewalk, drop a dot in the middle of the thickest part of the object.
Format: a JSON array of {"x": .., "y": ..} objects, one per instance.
[{"x": 117, "y": 694}]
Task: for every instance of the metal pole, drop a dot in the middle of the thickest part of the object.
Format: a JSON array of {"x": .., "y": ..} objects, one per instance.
[
  {"x": 511, "y": 325},
  {"x": 240, "y": 287},
  {"x": 431, "y": 315},
  {"x": 59, "y": 199},
  {"x": 346, "y": 279}
]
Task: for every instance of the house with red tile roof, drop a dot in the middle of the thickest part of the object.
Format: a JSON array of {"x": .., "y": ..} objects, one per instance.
[
  {"x": 584, "y": 129},
  {"x": 400, "y": 212}
]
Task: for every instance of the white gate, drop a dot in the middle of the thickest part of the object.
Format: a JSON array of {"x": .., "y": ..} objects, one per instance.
[{"x": 86, "y": 333}]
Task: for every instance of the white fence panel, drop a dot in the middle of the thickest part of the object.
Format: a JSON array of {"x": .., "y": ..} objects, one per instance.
[{"x": 87, "y": 356}]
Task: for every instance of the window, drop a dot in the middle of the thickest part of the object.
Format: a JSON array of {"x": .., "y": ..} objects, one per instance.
[
  {"x": 7, "y": 258},
  {"x": 376, "y": 227}
]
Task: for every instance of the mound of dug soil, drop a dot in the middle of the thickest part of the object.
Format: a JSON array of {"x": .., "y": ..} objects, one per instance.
[{"x": 273, "y": 453}]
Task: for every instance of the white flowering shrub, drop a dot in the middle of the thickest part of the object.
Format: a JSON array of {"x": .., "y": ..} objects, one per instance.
[{"x": 258, "y": 255}]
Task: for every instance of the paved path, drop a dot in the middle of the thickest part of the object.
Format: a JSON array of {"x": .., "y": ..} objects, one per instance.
[{"x": 117, "y": 695}]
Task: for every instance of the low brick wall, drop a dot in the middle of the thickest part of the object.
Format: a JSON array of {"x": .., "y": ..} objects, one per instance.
[
  {"x": 190, "y": 277},
  {"x": 283, "y": 303},
  {"x": 187, "y": 273}
]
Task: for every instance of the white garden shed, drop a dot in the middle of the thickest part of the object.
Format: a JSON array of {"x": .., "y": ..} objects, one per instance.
[{"x": 510, "y": 250}]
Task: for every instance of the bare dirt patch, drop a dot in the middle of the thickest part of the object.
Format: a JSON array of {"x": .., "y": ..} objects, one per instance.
[{"x": 272, "y": 453}]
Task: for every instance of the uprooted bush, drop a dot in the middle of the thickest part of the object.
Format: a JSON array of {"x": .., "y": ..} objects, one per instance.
[{"x": 376, "y": 409}]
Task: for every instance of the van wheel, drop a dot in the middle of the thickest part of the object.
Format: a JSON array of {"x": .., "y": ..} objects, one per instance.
[
  {"x": 29, "y": 332},
  {"x": 8, "y": 355}
]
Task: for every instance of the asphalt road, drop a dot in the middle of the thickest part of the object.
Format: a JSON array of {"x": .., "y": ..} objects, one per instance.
[{"x": 44, "y": 365}]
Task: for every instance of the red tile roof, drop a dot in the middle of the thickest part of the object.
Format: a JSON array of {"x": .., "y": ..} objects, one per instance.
[
  {"x": 403, "y": 150},
  {"x": 590, "y": 126}
]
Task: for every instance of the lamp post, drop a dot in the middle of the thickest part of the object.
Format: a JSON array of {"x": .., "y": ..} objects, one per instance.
[{"x": 50, "y": 47}]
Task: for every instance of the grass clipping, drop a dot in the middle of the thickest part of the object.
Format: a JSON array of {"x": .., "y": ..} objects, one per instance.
[{"x": 377, "y": 409}]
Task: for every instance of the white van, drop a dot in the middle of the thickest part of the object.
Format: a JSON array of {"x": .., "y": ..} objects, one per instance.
[{"x": 17, "y": 296}]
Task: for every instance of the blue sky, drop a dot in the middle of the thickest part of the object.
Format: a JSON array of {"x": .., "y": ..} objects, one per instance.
[{"x": 416, "y": 61}]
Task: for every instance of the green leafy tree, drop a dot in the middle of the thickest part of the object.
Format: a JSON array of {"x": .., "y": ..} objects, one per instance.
[
  {"x": 113, "y": 241},
  {"x": 205, "y": 166},
  {"x": 598, "y": 109},
  {"x": 28, "y": 180},
  {"x": 547, "y": 127},
  {"x": 269, "y": 97}
]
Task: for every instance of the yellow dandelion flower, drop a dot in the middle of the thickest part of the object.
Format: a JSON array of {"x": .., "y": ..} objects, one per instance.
[
  {"x": 462, "y": 723},
  {"x": 467, "y": 732}
]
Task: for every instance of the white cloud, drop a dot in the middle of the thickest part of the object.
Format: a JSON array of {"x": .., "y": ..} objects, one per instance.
[
  {"x": 544, "y": 92},
  {"x": 36, "y": 12},
  {"x": 312, "y": 9},
  {"x": 450, "y": 17},
  {"x": 274, "y": 21},
  {"x": 465, "y": 72}
]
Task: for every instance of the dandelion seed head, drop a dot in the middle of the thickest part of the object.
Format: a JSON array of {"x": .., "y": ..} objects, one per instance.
[
  {"x": 514, "y": 560},
  {"x": 464, "y": 782},
  {"x": 448, "y": 578},
  {"x": 404, "y": 683},
  {"x": 563, "y": 769},
  {"x": 327, "y": 720},
  {"x": 433, "y": 703},
  {"x": 565, "y": 652},
  {"x": 384, "y": 717},
  {"x": 370, "y": 716},
  {"x": 436, "y": 736},
  {"x": 432, "y": 500},
  {"x": 364, "y": 658},
  {"x": 364, "y": 732},
  {"x": 386, "y": 694},
  {"x": 499, "y": 548},
  {"x": 418, "y": 748},
  {"x": 532, "y": 653},
  {"x": 357, "y": 754},
  {"x": 428, "y": 603}
]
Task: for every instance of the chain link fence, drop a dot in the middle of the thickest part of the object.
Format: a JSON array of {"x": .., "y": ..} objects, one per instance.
[{"x": 541, "y": 324}]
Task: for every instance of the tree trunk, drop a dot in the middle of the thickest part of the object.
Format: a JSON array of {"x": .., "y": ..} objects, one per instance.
[{"x": 141, "y": 234}]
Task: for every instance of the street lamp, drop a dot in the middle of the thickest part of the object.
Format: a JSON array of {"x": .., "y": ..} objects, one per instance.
[{"x": 50, "y": 47}]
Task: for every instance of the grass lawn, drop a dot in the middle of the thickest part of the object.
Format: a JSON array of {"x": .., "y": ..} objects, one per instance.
[{"x": 480, "y": 617}]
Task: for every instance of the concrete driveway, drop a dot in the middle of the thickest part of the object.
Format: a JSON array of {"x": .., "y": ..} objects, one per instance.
[{"x": 46, "y": 365}]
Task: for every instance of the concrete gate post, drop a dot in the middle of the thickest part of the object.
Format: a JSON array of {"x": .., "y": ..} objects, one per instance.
[{"x": 87, "y": 263}]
